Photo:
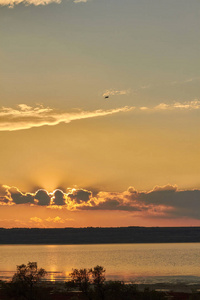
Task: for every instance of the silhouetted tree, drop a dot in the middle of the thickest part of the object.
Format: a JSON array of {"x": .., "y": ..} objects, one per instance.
[
  {"x": 29, "y": 274},
  {"x": 81, "y": 278},
  {"x": 98, "y": 278},
  {"x": 24, "y": 282},
  {"x": 98, "y": 275}
]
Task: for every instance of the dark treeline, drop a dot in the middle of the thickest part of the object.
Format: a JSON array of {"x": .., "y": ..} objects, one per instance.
[{"x": 93, "y": 235}]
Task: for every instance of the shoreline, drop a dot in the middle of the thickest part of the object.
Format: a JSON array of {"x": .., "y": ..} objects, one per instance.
[
  {"x": 60, "y": 285},
  {"x": 176, "y": 287},
  {"x": 59, "y": 290},
  {"x": 181, "y": 287}
]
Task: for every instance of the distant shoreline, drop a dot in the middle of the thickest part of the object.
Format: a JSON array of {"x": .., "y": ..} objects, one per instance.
[{"x": 99, "y": 235}]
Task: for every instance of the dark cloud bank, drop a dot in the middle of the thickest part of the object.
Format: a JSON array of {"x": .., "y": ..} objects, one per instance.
[{"x": 165, "y": 202}]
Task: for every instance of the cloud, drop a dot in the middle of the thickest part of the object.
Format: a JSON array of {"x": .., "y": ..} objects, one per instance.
[
  {"x": 113, "y": 204},
  {"x": 49, "y": 220},
  {"x": 162, "y": 201},
  {"x": 167, "y": 187},
  {"x": 4, "y": 196},
  {"x": 20, "y": 198},
  {"x": 12, "y": 3},
  {"x": 4, "y": 201},
  {"x": 42, "y": 198},
  {"x": 58, "y": 198},
  {"x": 80, "y": 1},
  {"x": 36, "y": 220},
  {"x": 112, "y": 92},
  {"x": 184, "y": 203},
  {"x": 190, "y": 105},
  {"x": 3, "y": 189},
  {"x": 80, "y": 196},
  {"x": 12, "y": 195},
  {"x": 26, "y": 117},
  {"x": 55, "y": 220},
  {"x": 195, "y": 104},
  {"x": 187, "y": 80}
]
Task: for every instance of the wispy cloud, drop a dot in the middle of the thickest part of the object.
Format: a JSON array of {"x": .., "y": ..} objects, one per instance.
[
  {"x": 25, "y": 117},
  {"x": 169, "y": 83},
  {"x": 12, "y": 3},
  {"x": 112, "y": 92},
  {"x": 187, "y": 80},
  {"x": 190, "y": 105},
  {"x": 79, "y": 1}
]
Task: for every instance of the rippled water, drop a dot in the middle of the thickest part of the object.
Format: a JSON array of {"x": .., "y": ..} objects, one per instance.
[{"x": 129, "y": 262}]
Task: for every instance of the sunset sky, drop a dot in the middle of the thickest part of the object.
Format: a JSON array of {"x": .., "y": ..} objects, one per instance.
[{"x": 71, "y": 157}]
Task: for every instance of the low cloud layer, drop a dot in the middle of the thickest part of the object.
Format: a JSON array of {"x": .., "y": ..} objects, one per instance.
[
  {"x": 12, "y": 3},
  {"x": 160, "y": 202},
  {"x": 26, "y": 117},
  {"x": 37, "y": 221}
]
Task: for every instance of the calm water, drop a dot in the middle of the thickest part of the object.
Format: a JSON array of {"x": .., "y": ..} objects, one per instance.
[{"x": 146, "y": 263}]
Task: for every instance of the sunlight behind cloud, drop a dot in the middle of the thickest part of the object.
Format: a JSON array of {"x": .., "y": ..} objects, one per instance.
[{"x": 161, "y": 201}]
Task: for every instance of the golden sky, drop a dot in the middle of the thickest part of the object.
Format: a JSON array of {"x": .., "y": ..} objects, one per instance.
[{"x": 59, "y": 60}]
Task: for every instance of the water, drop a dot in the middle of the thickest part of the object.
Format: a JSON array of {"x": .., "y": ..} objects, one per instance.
[{"x": 139, "y": 263}]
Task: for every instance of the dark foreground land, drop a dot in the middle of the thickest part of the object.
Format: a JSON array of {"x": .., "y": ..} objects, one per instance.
[
  {"x": 93, "y": 235},
  {"x": 113, "y": 290}
]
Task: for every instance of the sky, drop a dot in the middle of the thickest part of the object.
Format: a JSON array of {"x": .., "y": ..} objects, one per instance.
[{"x": 99, "y": 113}]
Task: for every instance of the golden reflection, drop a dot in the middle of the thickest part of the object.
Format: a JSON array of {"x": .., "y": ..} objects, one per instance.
[
  {"x": 52, "y": 277},
  {"x": 66, "y": 274},
  {"x": 52, "y": 273}
]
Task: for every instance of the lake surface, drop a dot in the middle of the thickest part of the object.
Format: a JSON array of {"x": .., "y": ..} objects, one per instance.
[{"x": 139, "y": 263}]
